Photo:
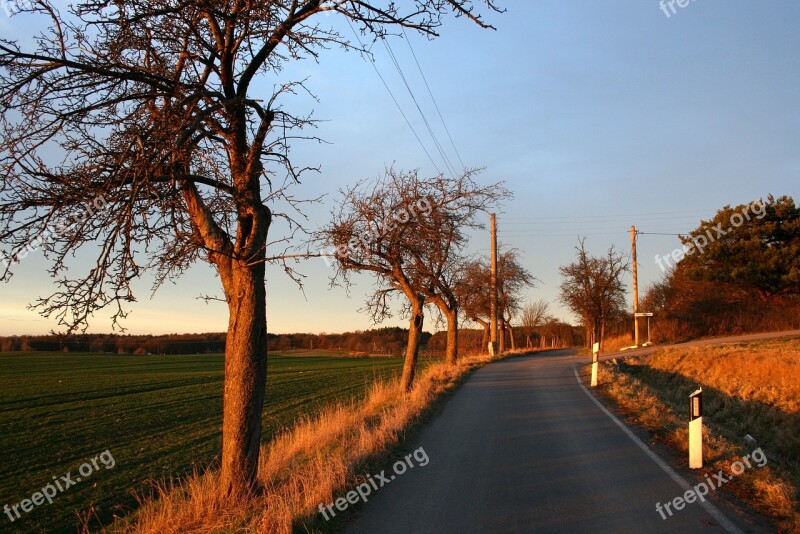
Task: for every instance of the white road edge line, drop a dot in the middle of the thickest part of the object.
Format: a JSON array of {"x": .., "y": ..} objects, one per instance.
[{"x": 712, "y": 510}]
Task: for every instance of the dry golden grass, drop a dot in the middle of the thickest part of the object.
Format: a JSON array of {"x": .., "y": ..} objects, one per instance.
[
  {"x": 311, "y": 464},
  {"x": 748, "y": 388},
  {"x": 764, "y": 371},
  {"x": 617, "y": 343}
]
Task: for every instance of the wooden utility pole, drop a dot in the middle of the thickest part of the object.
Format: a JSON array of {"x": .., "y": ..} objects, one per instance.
[
  {"x": 493, "y": 318},
  {"x": 635, "y": 287}
]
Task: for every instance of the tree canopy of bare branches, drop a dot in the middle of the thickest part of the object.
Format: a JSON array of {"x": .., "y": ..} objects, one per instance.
[
  {"x": 593, "y": 289},
  {"x": 533, "y": 315},
  {"x": 147, "y": 108},
  {"x": 474, "y": 291},
  {"x": 411, "y": 233}
]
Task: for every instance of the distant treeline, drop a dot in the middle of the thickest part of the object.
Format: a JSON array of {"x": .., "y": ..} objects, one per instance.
[
  {"x": 117, "y": 344},
  {"x": 390, "y": 341},
  {"x": 387, "y": 341},
  {"x": 475, "y": 340}
]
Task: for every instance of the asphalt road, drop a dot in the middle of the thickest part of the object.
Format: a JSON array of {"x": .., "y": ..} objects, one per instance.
[{"x": 522, "y": 447}]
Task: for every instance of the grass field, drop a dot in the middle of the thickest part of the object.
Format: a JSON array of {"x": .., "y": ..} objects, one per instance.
[
  {"x": 159, "y": 416},
  {"x": 748, "y": 388}
]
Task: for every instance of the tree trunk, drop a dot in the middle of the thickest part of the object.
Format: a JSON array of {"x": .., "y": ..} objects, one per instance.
[
  {"x": 511, "y": 337},
  {"x": 412, "y": 348},
  {"x": 597, "y": 335},
  {"x": 486, "y": 333},
  {"x": 451, "y": 356},
  {"x": 242, "y": 271},
  {"x": 245, "y": 377},
  {"x": 501, "y": 336},
  {"x": 602, "y": 334}
]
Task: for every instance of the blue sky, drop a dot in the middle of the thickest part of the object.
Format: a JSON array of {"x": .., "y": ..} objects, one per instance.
[{"x": 596, "y": 115}]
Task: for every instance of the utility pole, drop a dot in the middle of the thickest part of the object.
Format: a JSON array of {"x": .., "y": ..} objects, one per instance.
[
  {"x": 493, "y": 318},
  {"x": 635, "y": 287}
]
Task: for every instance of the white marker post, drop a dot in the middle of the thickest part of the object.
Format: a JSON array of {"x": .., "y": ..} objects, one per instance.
[
  {"x": 696, "y": 429},
  {"x": 595, "y": 353},
  {"x": 648, "y": 315}
]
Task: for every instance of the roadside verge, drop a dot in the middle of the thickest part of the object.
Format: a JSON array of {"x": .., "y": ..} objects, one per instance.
[{"x": 743, "y": 396}]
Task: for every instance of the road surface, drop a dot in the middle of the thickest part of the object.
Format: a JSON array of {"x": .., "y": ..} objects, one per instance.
[{"x": 522, "y": 447}]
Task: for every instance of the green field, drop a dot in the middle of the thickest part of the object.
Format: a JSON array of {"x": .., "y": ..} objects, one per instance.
[{"x": 158, "y": 416}]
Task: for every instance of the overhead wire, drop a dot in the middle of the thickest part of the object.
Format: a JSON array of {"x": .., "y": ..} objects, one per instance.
[
  {"x": 433, "y": 99},
  {"x": 658, "y": 233},
  {"x": 425, "y": 121},
  {"x": 627, "y": 216},
  {"x": 371, "y": 61},
  {"x": 662, "y": 223},
  {"x": 589, "y": 225},
  {"x": 439, "y": 146}
]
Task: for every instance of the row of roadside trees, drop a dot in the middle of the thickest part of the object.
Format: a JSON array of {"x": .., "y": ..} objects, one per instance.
[{"x": 412, "y": 233}]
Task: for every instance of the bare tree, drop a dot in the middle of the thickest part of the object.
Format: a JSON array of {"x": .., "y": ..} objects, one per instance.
[
  {"x": 146, "y": 108},
  {"x": 593, "y": 289},
  {"x": 474, "y": 291},
  {"x": 512, "y": 280},
  {"x": 440, "y": 266},
  {"x": 533, "y": 315},
  {"x": 410, "y": 232}
]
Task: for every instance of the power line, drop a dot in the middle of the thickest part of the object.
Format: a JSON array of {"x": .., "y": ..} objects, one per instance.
[
  {"x": 657, "y": 221},
  {"x": 592, "y": 228},
  {"x": 546, "y": 227},
  {"x": 659, "y": 233},
  {"x": 570, "y": 227},
  {"x": 580, "y": 232},
  {"x": 571, "y": 234},
  {"x": 627, "y": 216},
  {"x": 436, "y": 143},
  {"x": 396, "y": 103},
  {"x": 435, "y": 104},
  {"x": 577, "y": 231}
]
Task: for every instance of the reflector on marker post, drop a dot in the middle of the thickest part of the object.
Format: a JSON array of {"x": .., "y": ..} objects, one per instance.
[
  {"x": 595, "y": 352},
  {"x": 696, "y": 429}
]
